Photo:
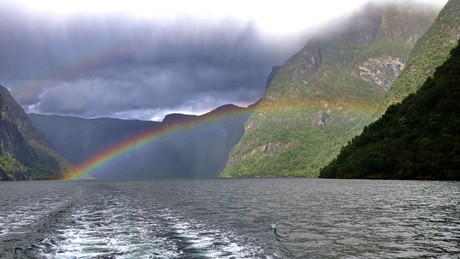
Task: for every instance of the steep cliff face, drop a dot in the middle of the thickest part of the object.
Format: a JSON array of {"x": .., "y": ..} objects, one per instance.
[
  {"x": 430, "y": 51},
  {"x": 381, "y": 72},
  {"x": 324, "y": 95},
  {"x": 11, "y": 139},
  {"x": 25, "y": 151},
  {"x": 272, "y": 75}
]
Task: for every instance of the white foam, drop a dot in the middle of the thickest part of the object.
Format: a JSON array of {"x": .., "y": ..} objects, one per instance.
[{"x": 129, "y": 232}]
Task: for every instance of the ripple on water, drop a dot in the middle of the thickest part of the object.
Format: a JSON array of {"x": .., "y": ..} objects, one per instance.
[{"x": 231, "y": 219}]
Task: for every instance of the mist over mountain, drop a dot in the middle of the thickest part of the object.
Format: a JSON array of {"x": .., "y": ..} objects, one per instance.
[{"x": 326, "y": 93}]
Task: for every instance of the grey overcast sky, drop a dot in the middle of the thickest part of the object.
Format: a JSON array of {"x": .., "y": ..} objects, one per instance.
[{"x": 144, "y": 59}]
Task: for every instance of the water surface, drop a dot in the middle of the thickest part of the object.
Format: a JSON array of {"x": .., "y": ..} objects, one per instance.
[{"x": 230, "y": 218}]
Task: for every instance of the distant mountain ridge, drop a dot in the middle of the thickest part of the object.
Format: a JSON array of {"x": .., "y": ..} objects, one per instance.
[
  {"x": 25, "y": 152},
  {"x": 78, "y": 139},
  {"x": 327, "y": 92},
  {"x": 199, "y": 150}
]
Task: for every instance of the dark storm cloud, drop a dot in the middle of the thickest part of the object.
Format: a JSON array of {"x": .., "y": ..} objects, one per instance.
[{"x": 123, "y": 67}]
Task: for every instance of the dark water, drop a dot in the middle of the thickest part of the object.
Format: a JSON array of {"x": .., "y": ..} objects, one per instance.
[{"x": 230, "y": 218}]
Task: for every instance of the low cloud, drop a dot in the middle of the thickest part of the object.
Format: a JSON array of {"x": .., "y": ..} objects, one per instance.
[
  {"x": 116, "y": 65},
  {"x": 121, "y": 67}
]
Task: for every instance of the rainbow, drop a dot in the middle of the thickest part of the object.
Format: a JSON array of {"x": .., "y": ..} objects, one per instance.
[
  {"x": 99, "y": 53},
  {"x": 208, "y": 120},
  {"x": 229, "y": 115}
]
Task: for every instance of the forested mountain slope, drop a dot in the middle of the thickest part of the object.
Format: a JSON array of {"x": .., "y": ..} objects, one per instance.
[{"x": 416, "y": 139}]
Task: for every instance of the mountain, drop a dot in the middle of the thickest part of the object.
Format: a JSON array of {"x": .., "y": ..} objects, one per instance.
[
  {"x": 430, "y": 51},
  {"x": 416, "y": 139},
  {"x": 421, "y": 132},
  {"x": 194, "y": 146},
  {"x": 25, "y": 153},
  {"x": 80, "y": 139},
  {"x": 325, "y": 94}
]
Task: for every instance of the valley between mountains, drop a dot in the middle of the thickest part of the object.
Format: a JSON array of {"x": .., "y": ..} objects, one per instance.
[{"x": 390, "y": 69}]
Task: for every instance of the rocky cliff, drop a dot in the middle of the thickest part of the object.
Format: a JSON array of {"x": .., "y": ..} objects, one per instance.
[
  {"x": 326, "y": 93},
  {"x": 25, "y": 151}
]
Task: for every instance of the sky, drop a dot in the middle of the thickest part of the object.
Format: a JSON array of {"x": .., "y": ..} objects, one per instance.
[{"x": 145, "y": 59}]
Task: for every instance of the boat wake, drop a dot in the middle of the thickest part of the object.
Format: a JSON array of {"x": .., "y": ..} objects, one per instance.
[{"x": 124, "y": 230}]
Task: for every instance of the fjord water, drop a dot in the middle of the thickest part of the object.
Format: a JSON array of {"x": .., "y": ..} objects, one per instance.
[{"x": 230, "y": 218}]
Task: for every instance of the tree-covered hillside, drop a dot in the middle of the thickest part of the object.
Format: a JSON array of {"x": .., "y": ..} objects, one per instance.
[{"x": 416, "y": 139}]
